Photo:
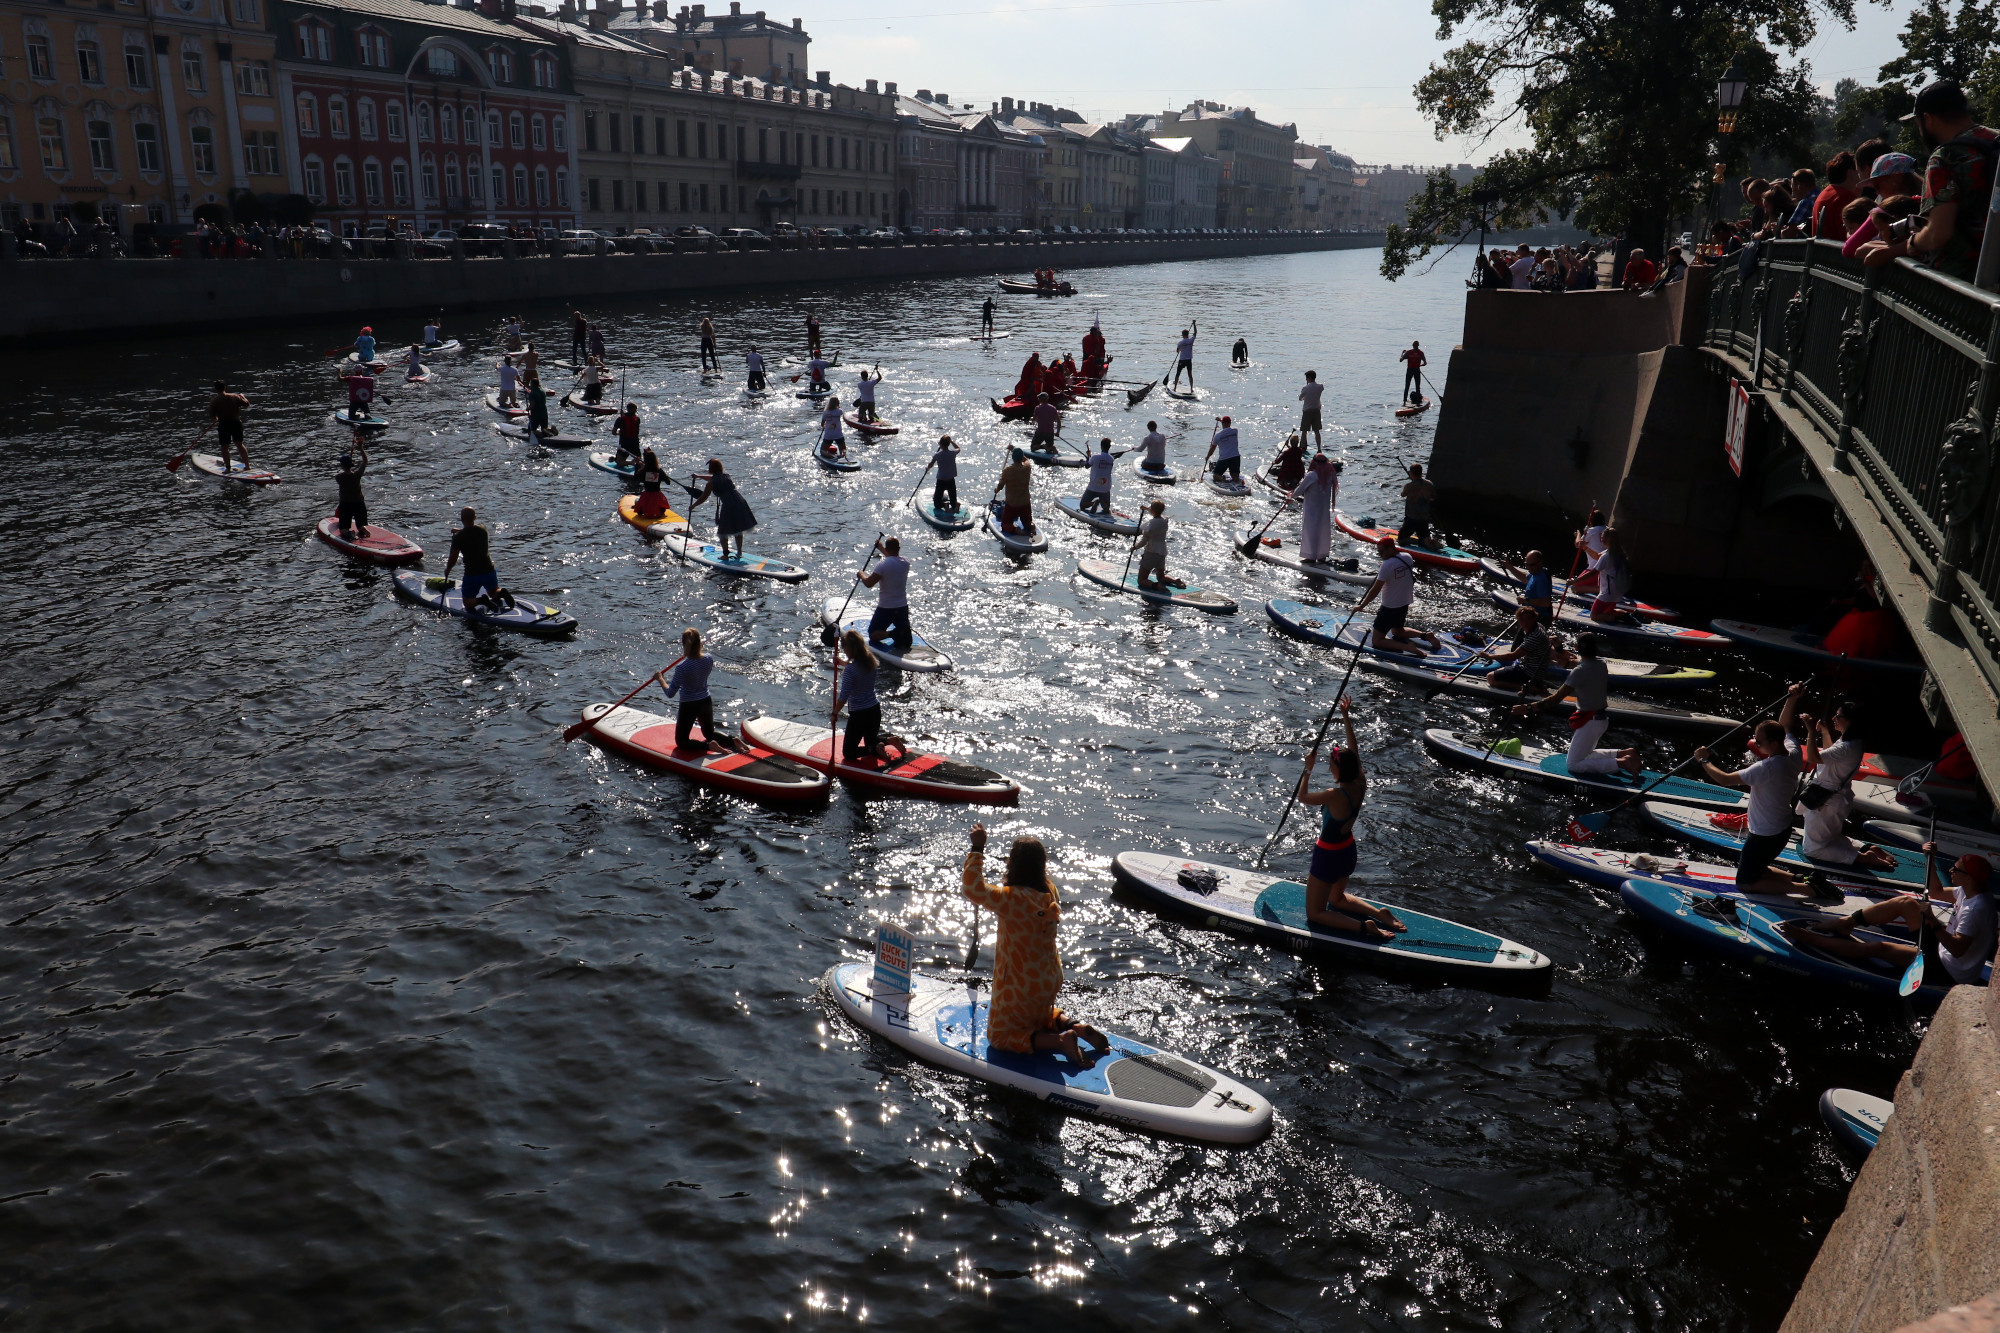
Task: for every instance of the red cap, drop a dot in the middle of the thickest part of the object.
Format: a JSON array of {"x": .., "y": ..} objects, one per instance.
[{"x": 1975, "y": 868}]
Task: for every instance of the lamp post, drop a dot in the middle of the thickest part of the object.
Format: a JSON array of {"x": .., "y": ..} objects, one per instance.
[{"x": 1729, "y": 92}]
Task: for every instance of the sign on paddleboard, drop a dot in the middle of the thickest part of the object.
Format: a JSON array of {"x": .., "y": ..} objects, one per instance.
[{"x": 893, "y": 951}]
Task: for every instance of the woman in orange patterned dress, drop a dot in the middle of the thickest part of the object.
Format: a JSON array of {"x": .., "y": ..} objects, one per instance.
[{"x": 1027, "y": 969}]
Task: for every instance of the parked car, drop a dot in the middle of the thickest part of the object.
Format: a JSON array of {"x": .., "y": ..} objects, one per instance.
[
  {"x": 745, "y": 238},
  {"x": 576, "y": 242}
]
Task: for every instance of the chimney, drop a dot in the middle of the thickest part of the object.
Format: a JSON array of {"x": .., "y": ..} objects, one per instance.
[
  {"x": 923, "y": 94},
  {"x": 490, "y": 8},
  {"x": 697, "y": 12},
  {"x": 1006, "y": 106},
  {"x": 798, "y": 25},
  {"x": 597, "y": 18},
  {"x": 566, "y": 12},
  {"x": 871, "y": 85},
  {"x": 662, "y": 11},
  {"x": 760, "y": 16},
  {"x": 735, "y": 9},
  {"x": 889, "y": 88},
  {"x": 824, "y": 76}
]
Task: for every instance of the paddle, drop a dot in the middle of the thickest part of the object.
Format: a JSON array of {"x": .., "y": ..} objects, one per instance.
[
  {"x": 830, "y": 634},
  {"x": 1483, "y": 652},
  {"x": 1588, "y": 825},
  {"x": 575, "y": 729},
  {"x": 1250, "y": 547},
  {"x": 920, "y": 481},
  {"x": 174, "y": 463},
  {"x": 1434, "y": 387},
  {"x": 1325, "y": 722},
  {"x": 338, "y": 350},
  {"x": 1913, "y": 975}
]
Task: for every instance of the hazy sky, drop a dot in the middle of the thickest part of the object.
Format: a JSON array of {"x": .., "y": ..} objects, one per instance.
[{"x": 1341, "y": 69}]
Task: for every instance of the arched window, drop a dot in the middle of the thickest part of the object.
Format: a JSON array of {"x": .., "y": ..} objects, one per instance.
[
  {"x": 138, "y": 62},
  {"x": 493, "y": 128},
  {"x": 562, "y": 188},
  {"x": 89, "y": 56},
  {"x": 10, "y": 161},
  {"x": 399, "y": 182},
  {"x": 541, "y": 187},
  {"x": 343, "y": 181},
  {"x": 392, "y": 115},
  {"x": 521, "y": 186},
  {"x": 308, "y": 108},
  {"x": 336, "y": 117},
  {"x": 201, "y": 142},
  {"x": 452, "y": 181},
  {"x": 441, "y": 60},
  {"x": 516, "y": 134},
  {"x": 557, "y": 126},
  {"x": 372, "y": 46},
  {"x": 194, "y": 67},
  {"x": 538, "y": 132},
  {"x": 500, "y": 63},
  {"x": 424, "y": 122},
  {"x": 475, "y": 187},
  {"x": 54, "y": 139},
  {"x": 146, "y": 142},
  {"x": 427, "y": 173},
  {"x": 364, "y": 117},
  {"x": 315, "y": 174},
  {"x": 41, "y": 51},
  {"x": 448, "y": 124},
  {"x": 371, "y": 181},
  {"x": 499, "y": 187},
  {"x": 545, "y": 70},
  {"x": 315, "y": 38},
  {"x": 471, "y": 125},
  {"x": 97, "y": 133}
]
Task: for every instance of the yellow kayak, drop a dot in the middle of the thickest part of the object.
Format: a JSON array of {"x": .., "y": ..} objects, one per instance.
[{"x": 628, "y": 509}]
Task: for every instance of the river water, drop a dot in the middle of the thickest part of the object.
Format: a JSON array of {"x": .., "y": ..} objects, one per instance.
[{"x": 341, "y": 994}]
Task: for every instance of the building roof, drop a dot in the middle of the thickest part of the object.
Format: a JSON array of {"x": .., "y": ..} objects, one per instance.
[
  {"x": 434, "y": 15},
  {"x": 550, "y": 23},
  {"x": 928, "y": 114},
  {"x": 654, "y": 19}
]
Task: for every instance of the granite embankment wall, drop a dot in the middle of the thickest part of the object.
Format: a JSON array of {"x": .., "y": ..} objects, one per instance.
[
  {"x": 1553, "y": 404},
  {"x": 58, "y": 300},
  {"x": 1918, "y": 1245}
]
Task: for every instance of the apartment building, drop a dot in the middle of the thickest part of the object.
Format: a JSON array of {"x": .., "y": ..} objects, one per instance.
[
  {"x": 1256, "y": 157},
  {"x": 1196, "y": 184},
  {"x": 134, "y": 110},
  {"x": 734, "y": 42}
]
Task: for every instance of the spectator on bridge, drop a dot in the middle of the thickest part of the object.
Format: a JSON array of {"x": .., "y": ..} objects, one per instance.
[
  {"x": 1828, "y": 207},
  {"x": 1805, "y": 189},
  {"x": 1753, "y": 197},
  {"x": 1958, "y": 180},
  {"x": 1522, "y": 268},
  {"x": 1893, "y": 222},
  {"x": 1640, "y": 272},
  {"x": 1891, "y": 175}
]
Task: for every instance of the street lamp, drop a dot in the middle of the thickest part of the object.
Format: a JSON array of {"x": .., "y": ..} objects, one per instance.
[{"x": 1729, "y": 94}]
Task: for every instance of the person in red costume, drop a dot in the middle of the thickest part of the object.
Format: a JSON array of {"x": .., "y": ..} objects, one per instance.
[
  {"x": 1868, "y": 632},
  {"x": 1094, "y": 360},
  {"x": 1030, "y": 383},
  {"x": 1055, "y": 380}
]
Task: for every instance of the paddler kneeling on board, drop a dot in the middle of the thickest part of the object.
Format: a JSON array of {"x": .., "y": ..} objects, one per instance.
[
  {"x": 1525, "y": 666},
  {"x": 651, "y": 502},
  {"x": 1226, "y": 446},
  {"x": 1396, "y": 580},
  {"x": 1589, "y": 683},
  {"x": 1048, "y": 424},
  {"x": 352, "y": 510},
  {"x": 1155, "y": 445},
  {"x": 1027, "y": 964},
  {"x": 1016, "y": 505},
  {"x": 753, "y": 363},
  {"x": 413, "y": 364},
  {"x": 593, "y": 381},
  {"x": 832, "y": 440},
  {"x": 1328, "y": 902},
  {"x": 1151, "y": 543},
  {"x": 732, "y": 512},
  {"x": 816, "y": 373},
  {"x": 1290, "y": 467},
  {"x": 481, "y": 589},
  {"x": 689, "y": 683}
]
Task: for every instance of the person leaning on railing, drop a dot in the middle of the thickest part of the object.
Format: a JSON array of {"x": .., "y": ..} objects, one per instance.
[{"x": 1958, "y": 182}]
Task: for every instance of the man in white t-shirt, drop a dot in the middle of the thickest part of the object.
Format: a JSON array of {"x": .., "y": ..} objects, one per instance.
[
  {"x": 1770, "y": 780},
  {"x": 1226, "y": 446},
  {"x": 510, "y": 383},
  {"x": 891, "y": 578},
  {"x": 1957, "y": 952},
  {"x": 1155, "y": 445},
  {"x": 1309, "y": 414},
  {"x": 864, "y": 395},
  {"x": 1396, "y": 580},
  {"x": 1096, "y": 496},
  {"x": 1523, "y": 269},
  {"x": 1184, "y": 356}
]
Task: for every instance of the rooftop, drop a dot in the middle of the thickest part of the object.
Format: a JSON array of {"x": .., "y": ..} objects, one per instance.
[{"x": 436, "y": 14}]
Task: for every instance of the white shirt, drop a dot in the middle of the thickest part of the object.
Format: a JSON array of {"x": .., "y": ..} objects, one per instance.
[
  {"x": 1837, "y": 764},
  {"x": 1309, "y": 394},
  {"x": 592, "y": 375},
  {"x": 892, "y": 589},
  {"x": 1972, "y": 915},
  {"x": 430, "y": 334},
  {"x": 1770, "y": 782},
  {"x": 1153, "y": 533},
  {"x": 1101, "y": 465},
  {"x": 755, "y": 361},
  {"x": 829, "y": 424},
  {"x": 1225, "y": 442},
  {"x": 1523, "y": 270},
  {"x": 1184, "y": 349},
  {"x": 1399, "y": 580},
  {"x": 1155, "y": 445},
  {"x": 1593, "y": 543},
  {"x": 865, "y": 390},
  {"x": 817, "y": 368}
]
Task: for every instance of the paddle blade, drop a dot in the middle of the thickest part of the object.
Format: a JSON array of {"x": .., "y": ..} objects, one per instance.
[
  {"x": 1913, "y": 977},
  {"x": 1582, "y": 828},
  {"x": 174, "y": 463},
  {"x": 575, "y": 729}
]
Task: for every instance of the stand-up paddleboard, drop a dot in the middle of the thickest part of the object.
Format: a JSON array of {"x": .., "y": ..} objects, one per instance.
[
  {"x": 421, "y": 377},
  {"x": 1643, "y": 633},
  {"x": 575, "y": 404},
  {"x": 813, "y": 393},
  {"x": 876, "y": 427},
  {"x": 366, "y": 421},
  {"x": 1133, "y": 1085},
  {"x": 944, "y": 520},
  {"x": 213, "y": 468},
  {"x": 991, "y": 336},
  {"x": 1626, "y": 712},
  {"x": 1042, "y": 459},
  {"x": 1536, "y": 763},
  {"x": 380, "y": 546},
  {"x": 833, "y": 462},
  {"x": 442, "y": 594},
  {"x": 609, "y": 463},
  {"x": 1856, "y": 1119},
  {"x": 1018, "y": 543},
  {"x": 937, "y": 777},
  {"x": 1120, "y": 579},
  {"x": 446, "y": 348},
  {"x": 1953, "y": 840},
  {"x": 1930, "y": 784},
  {"x": 921, "y": 655},
  {"x": 749, "y": 564},
  {"x": 1748, "y": 934},
  {"x": 374, "y": 367},
  {"x": 1805, "y": 645},
  {"x": 1117, "y": 522},
  {"x": 1413, "y": 409},
  {"x": 1159, "y": 476},
  {"x": 1693, "y": 823},
  {"x": 1343, "y": 569},
  {"x": 1364, "y": 529},
  {"x": 1272, "y": 910},
  {"x": 1607, "y": 868},
  {"x": 747, "y": 770},
  {"x": 1279, "y": 491},
  {"x": 1499, "y": 571},
  {"x": 628, "y": 509},
  {"x": 1235, "y": 490},
  {"x": 1187, "y": 396},
  {"x": 511, "y": 413},
  {"x": 557, "y": 441}
]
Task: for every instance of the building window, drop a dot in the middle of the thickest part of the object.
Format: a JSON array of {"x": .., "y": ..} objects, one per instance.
[
  {"x": 521, "y": 186},
  {"x": 545, "y": 71},
  {"x": 424, "y": 121},
  {"x": 815, "y": 155},
  {"x": 372, "y": 45},
  {"x": 8, "y": 162},
  {"x": 475, "y": 188},
  {"x": 55, "y": 149},
  {"x": 89, "y": 60},
  {"x": 193, "y": 71},
  {"x": 343, "y": 181},
  {"x": 684, "y": 197},
  {"x": 393, "y": 114},
  {"x": 701, "y": 138},
  {"x": 371, "y": 181},
  {"x": 611, "y": 124},
  {"x": 559, "y": 133},
  {"x": 247, "y": 12},
  {"x": 315, "y": 40},
  {"x": 308, "y": 107},
  {"x": 260, "y": 152},
  {"x": 499, "y": 187},
  {"x": 538, "y": 132},
  {"x": 253, "y": 78},
  {"x": 364, "y": 117},
  {"x": 562, "y": 188},
  {"x": 146, "y": 139},
  {"x": 493, "y": 128},
  {"x": 201, "y": 138},
  {"x": 590, "y": 130},
  {"x": 399, "y": 182},
  {"x": 138, "y": 62},
  {"x": 315, "y": 181},
  {"x": 500, "y": 62},
  {"x": 638, "y": 134},
  {"x": 618, "y": 196},
  {"x": 442, "y": 60},
  {"x": 428, "y": 173},
  {"x": 452, "y": 189},
  {"x": 680, "y": 138},
  {"x": 541, "y": 187},
  {"x": 41, "y": 58},
  {"x": 97, "y": 133},
  {"x": 516, "y": 133},
  {"x": 590, "y": 193},
  {"x": 336, "y": 117}
]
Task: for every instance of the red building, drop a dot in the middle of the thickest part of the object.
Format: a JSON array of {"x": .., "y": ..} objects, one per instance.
[{"x": 437, "y": 114}]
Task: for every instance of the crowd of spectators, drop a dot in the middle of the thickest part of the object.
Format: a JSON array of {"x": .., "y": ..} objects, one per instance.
[{"x": 1565, "y": 268}]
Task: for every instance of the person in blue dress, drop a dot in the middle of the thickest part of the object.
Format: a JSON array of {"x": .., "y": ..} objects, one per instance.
[{"x": 732, "y": 512}]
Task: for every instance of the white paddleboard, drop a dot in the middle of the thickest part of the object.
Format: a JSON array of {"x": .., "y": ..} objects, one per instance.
[
  {"x": 749, "y": 564},
  {"x": 1117, "y": 577},
  {"x": 1012, "y": 541},
  {"x": 214, "y": 469},
  {"x": 1159, "y": 477},
  {"x": 1134, "y": 1084},
  {"x": 1116, "y": 522},
  {"x": 1284, "y": 557},
  {"x": 1235, "y": 490}
]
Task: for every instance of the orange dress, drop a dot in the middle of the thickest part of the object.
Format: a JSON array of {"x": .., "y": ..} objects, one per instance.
[{"x": 1027, "y": 969}]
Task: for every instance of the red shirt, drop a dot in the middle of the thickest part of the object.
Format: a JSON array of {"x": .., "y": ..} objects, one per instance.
[
  {"x": 1826, "y": 223},
  {"x": 1641, "y": 273}
]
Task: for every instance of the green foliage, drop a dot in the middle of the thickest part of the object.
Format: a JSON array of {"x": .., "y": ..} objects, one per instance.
[{"x": 1618, "y": 101}]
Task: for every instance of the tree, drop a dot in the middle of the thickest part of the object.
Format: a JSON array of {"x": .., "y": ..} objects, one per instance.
[{"x": 1618, "y": 100}]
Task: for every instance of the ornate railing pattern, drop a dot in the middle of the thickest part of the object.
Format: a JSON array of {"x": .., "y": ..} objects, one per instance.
[{"x": 1896, "y": 368}]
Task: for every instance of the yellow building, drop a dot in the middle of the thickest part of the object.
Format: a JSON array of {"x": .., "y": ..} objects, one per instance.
[{"x": 134, "y": 110}]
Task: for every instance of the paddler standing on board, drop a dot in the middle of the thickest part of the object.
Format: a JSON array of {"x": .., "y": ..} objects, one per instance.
[
  {"x": 510, "y": 380},
  {"x": 1048, "y": 423},
  {"x": 1027, "y": 964},
  {"x": 1309, "y": 395},
  {"x": 1396, "y": 580},
  {"x": 626, "y": 427},
  {"x": 732, "y": 512},
  {"x": 360, "y": 384},
  {"x": 538, "y": 409},
  {"x": 707, "y": 334},
  {"x": 1096, "y": 497},
  {"x": 1184, "y": 356},
  {"x": 351, "y": 512},
  {"x": 944, "y": 491},
  {"x": 1417, "y": 497},
  {"x": 1316, "y": 495},
  {"x": 531, "y": 363},
  {"x": 812, "y": 334},
  {"x": 864, "y": 396},
  {"x": 986, "y": 319},
  {"x": 1414, "y": 361},
  {"x": 891, "y": 576},
  {"x": 753, "y": 365},
  {"x": 1016, "y": 505},
  {"x": 579, "y": 336}
]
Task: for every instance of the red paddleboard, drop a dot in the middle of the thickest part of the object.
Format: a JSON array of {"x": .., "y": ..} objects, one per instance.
[
  {"x": 1444, "y": 557},
  {"x": 380, "y": 545},
  {"x": 1412, "y": 409},
  {"x": 748, "y": 770},
  {"x": 872, "y": 427},
  {"x": 937, "y": 776}
]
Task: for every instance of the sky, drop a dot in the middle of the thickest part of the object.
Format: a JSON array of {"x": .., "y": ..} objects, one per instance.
[{"x": 1342, "y": 70}]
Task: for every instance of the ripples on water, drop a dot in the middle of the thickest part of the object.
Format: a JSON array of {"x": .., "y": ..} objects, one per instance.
[{"x": 341, "y": 995}]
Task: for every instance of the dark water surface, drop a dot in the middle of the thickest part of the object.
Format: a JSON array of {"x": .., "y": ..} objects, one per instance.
[{"x": 340, "y": 994}]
